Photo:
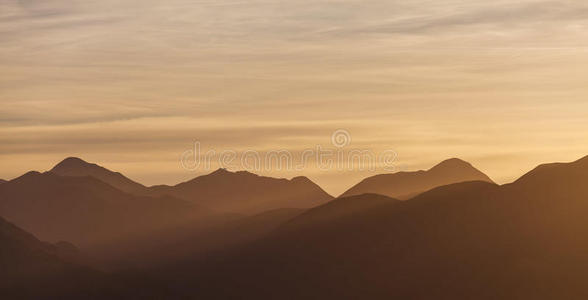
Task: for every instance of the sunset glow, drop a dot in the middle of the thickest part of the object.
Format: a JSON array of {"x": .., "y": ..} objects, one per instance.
[{"x": 133, "y": 84}]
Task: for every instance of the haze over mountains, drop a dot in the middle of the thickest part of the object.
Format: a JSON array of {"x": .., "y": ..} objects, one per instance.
[
  {"x": 32, "y": 269},
  {"x": 403, "y": 185},
  {"x": 27, "y": 262},
  {"x": 221, "y": 190},
  {"x": 245, "y": 192},
  {"x": 465, "y": 240},
  {"x": 320, "y": 94},
  {"x": 85, "y": 210},
  {"x": 76, "y": 198},
  {"x": 471, "y": 240}
]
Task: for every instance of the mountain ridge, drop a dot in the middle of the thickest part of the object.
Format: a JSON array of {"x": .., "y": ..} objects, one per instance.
[
  {"x": 470, "y": 239},
  {"x": 404, "y": 185},
  {"x": 222, "y": 190},
  {"x": 246, "y": 192},
  {"x": 76, "y": 205}
]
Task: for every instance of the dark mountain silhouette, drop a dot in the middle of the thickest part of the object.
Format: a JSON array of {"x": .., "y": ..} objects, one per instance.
[
  {"x": 23, "y": 254},
  {"x": 563, "y": 179},
  {"x": 27, "y": 262},
  {"x": 222, "y": 190},
  {"x": 470, "y": 240},
  {"x": 248, "y": 193},
  {"x": 404, "y": 185},
  {"x": 73, "y": 166},
  {"x": 85, "y": 210},
  {"x": 466, "y": 240},
  {"x": 32, "y": 269},
  {"x": 2, "y": 181}
]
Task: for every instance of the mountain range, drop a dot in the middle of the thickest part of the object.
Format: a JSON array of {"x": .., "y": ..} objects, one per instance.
[
  {"x": 85, "y": 210},
  {"x": 461, "y": 240},
  {"x": 470, "y": 240},
  {"x": 247, "y": 193},
  {"x": 223, "y": 191},
  {"x": 76, "y": 198}
]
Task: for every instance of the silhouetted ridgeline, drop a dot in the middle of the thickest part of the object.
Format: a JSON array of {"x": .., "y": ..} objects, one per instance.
[
  {"x": 404, "y": 185},
  {"x": 221, "y": 190},
  {"x": 85, "y": 210},
  {"x": 465, "y": 240},
  {"x": 247, "y": 193},
  {"x": 472, "y": 240}
]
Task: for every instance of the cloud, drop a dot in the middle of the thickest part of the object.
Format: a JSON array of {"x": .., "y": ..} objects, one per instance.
[
  {"x": 494, "y": 15},
  {"x": 427, "y": 78}
]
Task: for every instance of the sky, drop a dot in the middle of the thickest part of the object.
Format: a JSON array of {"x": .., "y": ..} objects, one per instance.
[{"x": 133, "y": 84}]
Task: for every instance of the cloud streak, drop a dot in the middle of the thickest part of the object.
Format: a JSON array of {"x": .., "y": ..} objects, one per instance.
[{"x": 145, "y": 78}]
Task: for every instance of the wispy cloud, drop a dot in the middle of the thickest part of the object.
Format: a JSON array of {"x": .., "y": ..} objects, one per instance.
[{"x": 413, "y": 75}]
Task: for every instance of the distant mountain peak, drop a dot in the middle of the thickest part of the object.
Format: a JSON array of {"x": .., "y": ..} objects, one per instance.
[
  {"x": 27, "y": 175},
  {"x": 452, "y": 163},
  {"x": 246, "y": 192},
  {"x": 227, "y": 172},
  {"x": 32, "y": 173},
  {"x": 77, "y": 167},
  {"x": 220, "y": 171},
  {"x": 73, "y": 163},
  {"x": 405, "y": 185},
  {"x": 73, "y": 160}
]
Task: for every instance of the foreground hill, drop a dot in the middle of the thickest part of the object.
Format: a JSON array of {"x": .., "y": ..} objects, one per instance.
[
  {"x": 28, "y": 264},
  {"x": 85, "y": 210},
  {"x": 403, "y": 185},
  {"x": 32, "y": 269},
  {"x": 471, "y": 240},
  {"x": 247, "y": 193},
  {"x": 23, "y": 255}
]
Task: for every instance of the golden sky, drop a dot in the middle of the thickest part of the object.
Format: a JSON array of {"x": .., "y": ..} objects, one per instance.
[{"x": 131, "y": 84}]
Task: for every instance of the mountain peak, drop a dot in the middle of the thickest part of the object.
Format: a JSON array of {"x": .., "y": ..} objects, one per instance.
[
  {"x": 226, "y": 172},
  {"x": 27, "y": 175},
  {"x": 452, "y": 163},
  {"x": 220, "y": 171},
  {"x": 74, "y": 166},
  {"x": 72, "y": 162},
  {"x": 405, "y": 185},
  {"x": 246, "y": 192}
]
